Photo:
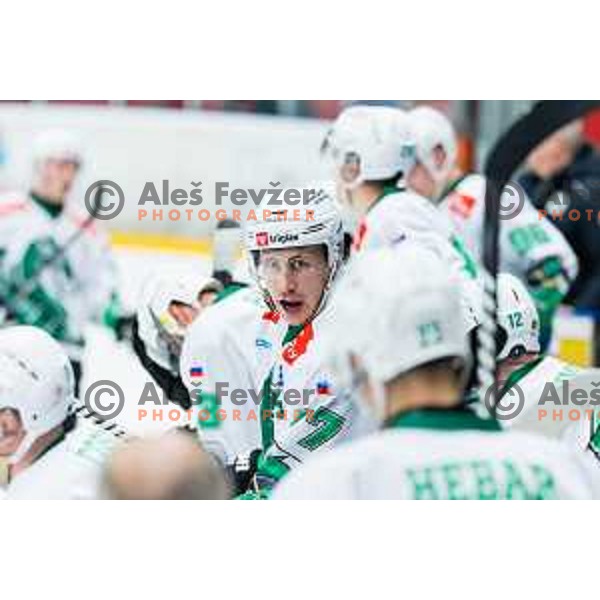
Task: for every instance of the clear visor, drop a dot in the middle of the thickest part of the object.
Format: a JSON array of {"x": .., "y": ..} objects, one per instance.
[{"x": 271, "y": 268}]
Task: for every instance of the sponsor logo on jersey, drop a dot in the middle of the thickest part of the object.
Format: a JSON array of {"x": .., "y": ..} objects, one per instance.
[
  {"x": 262, "y": 343},
  {"x": 461, "y": 205}
]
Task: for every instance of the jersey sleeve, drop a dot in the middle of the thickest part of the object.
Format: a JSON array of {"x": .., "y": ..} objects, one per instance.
[
  {"x": 94, "y": 267},
  {"x": 211, "y": 366}
]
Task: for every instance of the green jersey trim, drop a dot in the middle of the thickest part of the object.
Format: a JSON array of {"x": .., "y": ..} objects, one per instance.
[
  {"x": 452, "y": 185},
  {"x": 520, "y": 373},
  {"x": 387, "y": 191},
  {"x": 455, "y": 419},
  {"x": 52, "y": 210}
]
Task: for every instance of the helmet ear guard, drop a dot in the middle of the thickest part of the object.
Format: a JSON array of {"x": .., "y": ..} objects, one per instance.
[{"x": 517, "y": 331}]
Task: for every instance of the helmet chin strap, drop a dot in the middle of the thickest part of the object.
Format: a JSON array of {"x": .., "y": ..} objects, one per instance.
[
  {"x": 274, "y": 305},
  {"x": 30, "y": 449}
]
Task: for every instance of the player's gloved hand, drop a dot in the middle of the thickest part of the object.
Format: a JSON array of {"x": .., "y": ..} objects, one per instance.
[
  {"x": 252, "y": 495},
  {"x": 548, "y": 284},
  {"x": 242, "y": 471}
]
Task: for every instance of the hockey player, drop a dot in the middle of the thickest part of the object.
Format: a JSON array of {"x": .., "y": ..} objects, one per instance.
[
  {"x": 402, "y": 348},
  {"x": 56, "y": 266},
  {"x": 373, "y": 152},
  {"x": 533, "y": 249},
  {"x": 169, "y": 304},
  {"x": 523, "y": 366},
  {"x": 45, "y": 452},
  {"x": 171, "y": 301},
  {"x": 266, "y": 399}
]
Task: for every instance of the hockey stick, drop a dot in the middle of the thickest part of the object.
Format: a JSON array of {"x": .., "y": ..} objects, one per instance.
[
  {"x": 60, "y": 252},
  {"x": 17, "y": 292},
  {"x": 505, "y": 157},
  {"x": 81, "y": 411}
]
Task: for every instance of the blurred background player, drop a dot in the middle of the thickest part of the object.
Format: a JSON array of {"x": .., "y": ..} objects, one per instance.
[
  {"x": 171, "y": 467},
  {"x": 266, "y": 341},
  {"x": 531, "y": 247},
  {"x": 56, "y": 266},
  {"x": 169, "y": 303},
  {"x": 372, "y": 151},
  {"x": 522, "y": 362},
  {"x": 403, "y": 351},
  {"x": 563, "y": 174},
  {"x": 46, "y": 452}
]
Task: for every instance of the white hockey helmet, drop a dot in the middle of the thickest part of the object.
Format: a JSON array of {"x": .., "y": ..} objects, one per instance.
[
  {"x": 376, "y": 138},
  {"x": 320, "y": 223},
  {"x": 395, "y": 309},
  {"x": 36, "y": 379},
  {"x": 161, "y": 333},
  {"x": 57, "y": 144},
  {"x": 518, "y": 321},
  {"x": 432, "y": 129}
]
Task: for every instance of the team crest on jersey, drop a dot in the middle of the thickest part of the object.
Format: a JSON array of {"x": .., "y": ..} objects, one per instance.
[
  {"x": 262, "y": 239},
  {"x": 197, "y": 373},
  {"x": 461, "y": 205}
]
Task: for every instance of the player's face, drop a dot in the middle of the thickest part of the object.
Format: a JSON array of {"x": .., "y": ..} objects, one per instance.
[
  {"x": 296, "y": 279},
  {"x": 346, "y": 178},
  {"x": 58, "y": 177},
  {"x": 184, "y": 314},
  {"x": 11, "y": 431},
  {"x": 421, "y": 181}
]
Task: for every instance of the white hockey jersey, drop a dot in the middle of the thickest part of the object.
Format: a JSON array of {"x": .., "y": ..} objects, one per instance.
[
  {"x": 278, "y": 396},
  {"x": 525, "y": 240},
  {"x": 75, "y": 289},
  {"x": 70, "y": 470},
  {"x": 401, "y": 216},
  {"x": 529, "y": 383},
  {"x": 443, "y": 455}
]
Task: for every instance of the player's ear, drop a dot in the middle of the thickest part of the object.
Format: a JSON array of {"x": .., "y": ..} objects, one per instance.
[
  {"x": 351, "y": 168},
  {"x": 439, "y": 156},
  {"x": 361, "y": 378}
]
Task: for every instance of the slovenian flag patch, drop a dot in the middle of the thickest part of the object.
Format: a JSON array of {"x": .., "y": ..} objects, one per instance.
[
  {"x": 323, "y": 388},
  {"x": 196, "y": 372}
]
